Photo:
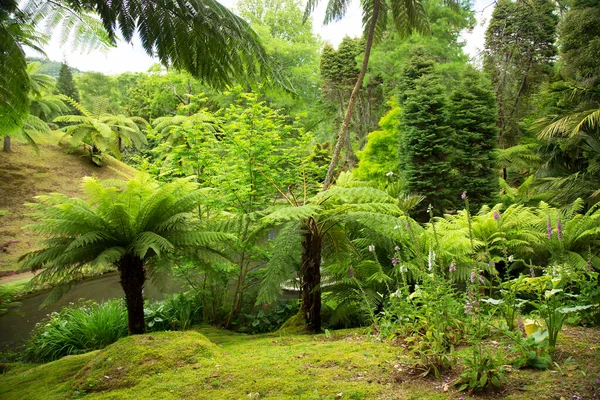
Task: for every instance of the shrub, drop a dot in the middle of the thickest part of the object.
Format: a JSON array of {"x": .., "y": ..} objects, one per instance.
[
  {"x": 271, "y": 318},
  {"x": 178, "y": 312},
  {"x": 77, "y": 329}
]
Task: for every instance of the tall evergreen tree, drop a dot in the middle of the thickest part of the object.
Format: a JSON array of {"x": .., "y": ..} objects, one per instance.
[
  {"x": 65, "y": 84},
  {"x": 426, "y": 142},
  {"x": 472, "y": 113}
]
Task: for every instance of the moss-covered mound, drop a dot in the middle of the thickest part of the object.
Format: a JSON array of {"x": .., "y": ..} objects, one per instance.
[
  {"x": 125, "y": 362},
  {"x": 293, "y": 326}
]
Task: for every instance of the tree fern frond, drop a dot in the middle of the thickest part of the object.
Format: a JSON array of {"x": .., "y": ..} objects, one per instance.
[
  {"x": 283, "y": 263},
  {"x": 14, "y": 81}
]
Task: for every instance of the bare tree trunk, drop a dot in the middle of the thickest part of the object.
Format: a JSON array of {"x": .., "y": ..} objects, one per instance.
[
  {"x": 133, "y": 276},
  {"x": 7, "y": 144},
  {"x": 352, "y": 102}
]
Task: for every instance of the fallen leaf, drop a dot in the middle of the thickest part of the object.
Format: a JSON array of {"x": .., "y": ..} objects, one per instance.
[{"x": 339, "y": 395}]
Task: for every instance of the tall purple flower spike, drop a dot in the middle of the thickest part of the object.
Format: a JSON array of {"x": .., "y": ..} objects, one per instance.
[{"x": 549, "y": 228}]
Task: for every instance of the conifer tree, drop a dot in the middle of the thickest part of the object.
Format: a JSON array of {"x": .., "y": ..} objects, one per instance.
[
  {"x": 425, "y": 144},
  {"x": 65, "y": 84},
  {"x": 472, "y": 114}
]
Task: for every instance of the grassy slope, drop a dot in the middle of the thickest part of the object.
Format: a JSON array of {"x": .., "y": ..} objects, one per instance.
[
  {"x": 25, "y": 174},
  {"x": 184, "y": 365}
]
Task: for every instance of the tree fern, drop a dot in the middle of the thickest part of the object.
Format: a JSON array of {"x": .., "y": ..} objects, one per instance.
[
  {"x": 101, "y": 131},
  {"x": 132, "y": 226},
  {"x": 325, "y": 221}
]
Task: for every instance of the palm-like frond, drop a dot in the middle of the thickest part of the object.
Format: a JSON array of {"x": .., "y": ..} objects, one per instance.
[
  {"x": 140, "y": 217},
  {"x": 78, "y": 28},
  {"x": 14, "y": 82},
  {"x": 521, "y": 156},
  {"x": 104, "y": 132},
  {"x": 199, "y": 36},
  {"x": 339, "y": 214},
  {"x": 409, "y": 16},
  {"x": 32, "y": 127},
  {"x": 568, "y": 125}
]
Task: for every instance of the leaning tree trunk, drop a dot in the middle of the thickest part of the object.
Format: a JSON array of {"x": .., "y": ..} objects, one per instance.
[
  {"x": 310, "y": 275},
  {"x": 7, "y": 144},
  {"x": 133, "y": 276},
  {"x": 352, "y": 102}
]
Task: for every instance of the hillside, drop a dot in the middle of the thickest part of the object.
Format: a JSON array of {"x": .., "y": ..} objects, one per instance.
[
  {"x": 50, "y": 67},
  {"x": 25, "y": 174}
]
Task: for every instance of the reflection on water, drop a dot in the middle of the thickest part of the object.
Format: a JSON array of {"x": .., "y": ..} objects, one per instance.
[{"x": 16, "y": 324}]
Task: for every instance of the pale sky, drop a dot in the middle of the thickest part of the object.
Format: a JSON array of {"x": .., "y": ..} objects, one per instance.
[{"x": 131, "y": 57}]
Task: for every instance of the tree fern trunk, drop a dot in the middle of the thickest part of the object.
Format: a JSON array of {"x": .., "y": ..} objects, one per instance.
[
  {"x": 352, "y": 102},
  {"x": 133, "y": 276},
  {"x": 7, "y": 144},
  {"x": 310, "y": 274}
]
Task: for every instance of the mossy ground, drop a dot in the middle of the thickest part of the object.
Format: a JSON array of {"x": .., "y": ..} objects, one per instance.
[
  {"x": 26, "y": 174},
  {"x": 215, "y": 364}
]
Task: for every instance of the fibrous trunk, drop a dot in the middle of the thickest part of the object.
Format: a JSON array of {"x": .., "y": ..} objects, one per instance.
[
  {"x": 310, "y": 275},
  {"x": 133, "y": 276},
  {"x": 7, "y": 144}
]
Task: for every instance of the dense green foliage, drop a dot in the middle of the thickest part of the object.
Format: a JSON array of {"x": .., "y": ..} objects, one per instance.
[
  {"x": 426, "y": 141},
  {"x": 472, "y": 115},
  {"x": 473, "y": 209}
]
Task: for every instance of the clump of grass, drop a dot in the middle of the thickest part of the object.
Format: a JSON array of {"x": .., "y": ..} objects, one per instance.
[
  {"x": 77, "y": 329},
  {"x": 4, "y": 212}
]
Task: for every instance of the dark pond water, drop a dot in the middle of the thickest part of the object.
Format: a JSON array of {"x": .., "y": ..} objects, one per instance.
[{"x": 16, "y": 324}]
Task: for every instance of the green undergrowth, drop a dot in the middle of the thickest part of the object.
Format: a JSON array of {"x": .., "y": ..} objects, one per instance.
[{"x": 209, "y": 363}]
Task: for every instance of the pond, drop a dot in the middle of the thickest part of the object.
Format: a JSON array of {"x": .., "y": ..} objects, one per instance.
[{"x": 17, "y": 323}]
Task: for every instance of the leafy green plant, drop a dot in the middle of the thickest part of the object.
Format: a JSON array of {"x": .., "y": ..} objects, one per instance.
[
  {"x": 177, "y": 312},
  {"x": 430, "y": 320},
  {"x": 551, "y": 308},
  {"x": 77, "y": 329},
  {"x": 484, "y": 369},
  {"x": 533, "y": 351},
  {"x": 270, "y": 318},
  {"x": 100, "y": 130}
]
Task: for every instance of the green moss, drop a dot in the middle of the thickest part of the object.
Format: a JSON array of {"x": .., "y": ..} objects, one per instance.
[
  {"x": 125, "y": 362},
  {"x": 48, "y": 381},
  {"x": 294, "y": 325},
  {"x": 182, "y": 365}
]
